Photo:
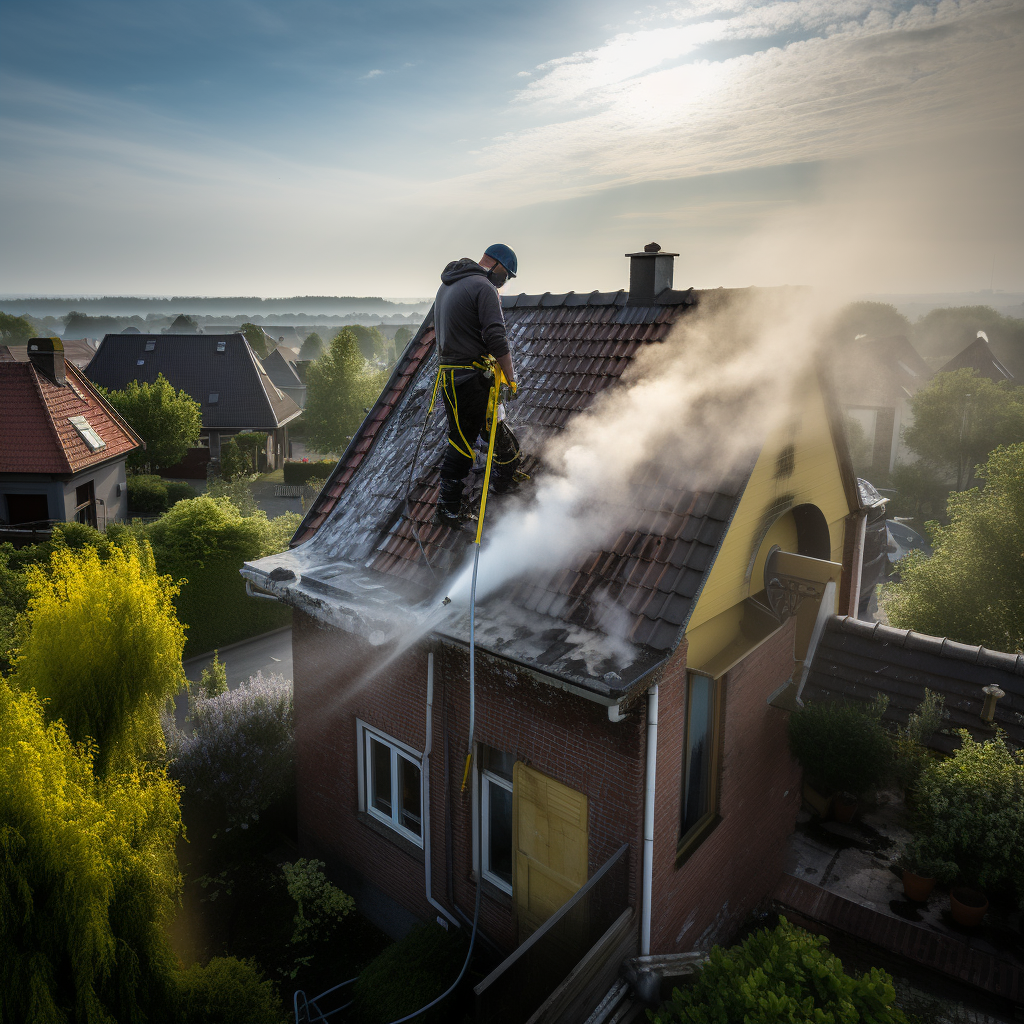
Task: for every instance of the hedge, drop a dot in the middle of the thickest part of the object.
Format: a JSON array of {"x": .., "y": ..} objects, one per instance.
[{"x": 300, "y": 472}]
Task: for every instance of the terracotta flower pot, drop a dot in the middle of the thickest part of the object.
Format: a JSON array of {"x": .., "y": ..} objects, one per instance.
[
  {"x": 968, "y": 906},
  {"x": 843, "y": 807},
  {"x": 917, "y": 887}
]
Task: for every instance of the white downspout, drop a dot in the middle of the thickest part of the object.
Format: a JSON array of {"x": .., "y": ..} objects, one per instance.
[
  {"x": 426, "y": 789},
  {"x": 649, "y": 778}
]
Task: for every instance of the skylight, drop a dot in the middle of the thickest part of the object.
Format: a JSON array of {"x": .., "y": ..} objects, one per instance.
[
  {"x": 87, "y": 433},
  {"x": 140, "y": 362},
  {"x": 214, "y": 397},
  {"x": 150, "y": 346},
  {"x": 221, "y": 346}
]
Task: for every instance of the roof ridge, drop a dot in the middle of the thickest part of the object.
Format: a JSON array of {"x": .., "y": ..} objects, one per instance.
[
  {"x": 35, "y": 374},
  {"x": 940, "y": 646}
]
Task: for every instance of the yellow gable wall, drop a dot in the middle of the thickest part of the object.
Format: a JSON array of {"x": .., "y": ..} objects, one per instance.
[{"x": 815, "y": 480}]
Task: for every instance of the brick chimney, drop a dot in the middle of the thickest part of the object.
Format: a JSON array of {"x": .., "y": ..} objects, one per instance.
[
  {"x": 650, "y": 273},
  {"x": 47, "y": 356}
]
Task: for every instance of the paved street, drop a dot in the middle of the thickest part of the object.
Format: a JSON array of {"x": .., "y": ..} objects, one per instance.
[{"x": 269, "y": 653}]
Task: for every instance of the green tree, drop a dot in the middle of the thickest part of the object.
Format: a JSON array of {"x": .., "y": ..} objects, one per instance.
[
  {"x": 213, "y": 680},
  {"x": 874, "y": 319},
  {"x": 234, "y": 463},
  {"x": 252, "y": 445},
  {"x": 88, "y": 874},
  {"x": 168, "y": 421},
  {"x": 942, "y": 333},
  {"x": 103, "y": 648},
  {"x": 256, "y": 337},
  {"x": 372, "y": 344},
  {"x": 312, "y": 347},
  {"x": 960, "y": 417},
  {"x": 972, "y": 588},
  {"x": 402, "y": 338},
  {"x": 339, "y": 386},
  {"x": 15, "y": 330}
]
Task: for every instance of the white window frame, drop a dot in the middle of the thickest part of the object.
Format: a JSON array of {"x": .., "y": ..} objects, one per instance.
[
  {"x": 364, "y": 733},
  {"x": 487, "y": 779}
]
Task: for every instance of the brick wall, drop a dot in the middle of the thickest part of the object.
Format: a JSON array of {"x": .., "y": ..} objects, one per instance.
[
  {"x": 557, "y": 733},
  {"x": 706, "y": 898}
]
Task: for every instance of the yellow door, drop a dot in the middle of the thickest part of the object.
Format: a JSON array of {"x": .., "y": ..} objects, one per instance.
[{"x": 550, "y": 843}]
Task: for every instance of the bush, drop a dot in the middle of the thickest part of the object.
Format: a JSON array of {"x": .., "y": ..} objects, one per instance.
[
  {"x": 910, "y": 753},
  {"x": 971, "y": 807},
  {"x": 88, "y": 875},
  {"x": 205, "y": 541},
  {"x": 228, "y": 991},
  {"x": 781, "y": 975},
  {"x": 178, "y": 490},
  {"x": 234, "y": 463},
  {"x": 843, "y": 748},
  {"x": 321, "y": 905},
  {"x": 300, "y": 472},
  {"x": 147, "y": 495},
  {"x": 240, "y": 756},
  {"x": 408, "y": 975},
  {"x": 213, "y": 681}
]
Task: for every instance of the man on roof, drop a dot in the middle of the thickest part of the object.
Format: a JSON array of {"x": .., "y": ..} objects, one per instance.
[{"x": 470, "y": 332}]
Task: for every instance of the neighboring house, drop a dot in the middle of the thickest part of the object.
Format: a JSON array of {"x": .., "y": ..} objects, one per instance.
[
  {"x": 980, "y": 357},
  {"x": 621, "y": 699},
  {"x": 62, "y": 447},
  {"x": 220, "y": 372},
  {"x": 857, "y": 661},
  {"x": 876, "y": 378},
  {"x": 280, "y": 367}
]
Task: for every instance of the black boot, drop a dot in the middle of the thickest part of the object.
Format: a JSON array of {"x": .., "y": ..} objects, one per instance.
[{"x": 451, "y": 511}]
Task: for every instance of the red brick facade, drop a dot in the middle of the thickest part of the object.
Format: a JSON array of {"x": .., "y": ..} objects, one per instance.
[
  {"x": 707, "y": 897},
  {"x": 564, "y": 736}
]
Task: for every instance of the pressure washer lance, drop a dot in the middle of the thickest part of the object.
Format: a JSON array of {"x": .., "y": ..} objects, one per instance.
[{"x": 497, "y": 413}]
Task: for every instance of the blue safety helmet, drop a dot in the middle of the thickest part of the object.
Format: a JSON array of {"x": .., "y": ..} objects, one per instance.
[{"x": 505, "y": 256}]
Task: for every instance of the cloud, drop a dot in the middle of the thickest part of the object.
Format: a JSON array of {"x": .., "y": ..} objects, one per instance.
[
  {"x": 373, "y": 74},
  {"x": 857, "y": 76}
]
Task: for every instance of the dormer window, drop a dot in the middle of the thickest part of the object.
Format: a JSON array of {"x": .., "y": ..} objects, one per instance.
[
  {"x": 150, "y": 345},
  {"x": 214, "y": 397},
  {"x": 222, "y": 346},
  {"x": 88, "y": 433}
]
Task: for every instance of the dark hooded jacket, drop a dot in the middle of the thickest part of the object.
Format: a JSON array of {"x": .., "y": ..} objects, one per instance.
[{"x": 467, "y": 315}]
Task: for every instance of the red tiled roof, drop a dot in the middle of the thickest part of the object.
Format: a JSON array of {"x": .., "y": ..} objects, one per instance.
[{"x": 36, "y": 433}]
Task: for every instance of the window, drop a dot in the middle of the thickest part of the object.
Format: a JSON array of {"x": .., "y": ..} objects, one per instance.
[
  {"x": 699, "y": 804},
  {"x": 496, "y": 817},
  {"x": 87, "y": 432},
  {"x": 222, "y": 346},
  {"x": 140, "y": 362},
  {"x": 214, "y": 397},
  {"x": 150, "y": 346},
  {"x": 390, "y": 783}
]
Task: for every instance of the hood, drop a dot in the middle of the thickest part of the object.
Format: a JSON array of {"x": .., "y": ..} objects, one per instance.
[{"x": 459, "y": 269}]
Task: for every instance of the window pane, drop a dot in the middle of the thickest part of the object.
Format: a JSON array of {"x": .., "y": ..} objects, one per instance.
[
  {"x": 409, "y": 780},
  {"x": 499, "y": 831},
  {"x": 380, "y": 777},
  {"x": 697, "y": 762}
]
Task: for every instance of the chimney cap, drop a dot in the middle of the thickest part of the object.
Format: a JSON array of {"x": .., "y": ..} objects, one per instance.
[{"x": 651, "y": 249}]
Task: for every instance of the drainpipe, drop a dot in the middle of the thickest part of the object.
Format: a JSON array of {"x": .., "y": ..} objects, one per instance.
[
  {"x": 652, "y": 765},
  {"x": 426, "y": 790},
  {"x": 857, "y": 574}
]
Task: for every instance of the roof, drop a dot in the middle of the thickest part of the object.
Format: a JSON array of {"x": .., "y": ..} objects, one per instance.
[
  {"x": 76, "y": 350},
  {"x": 878, "y": 371},
  {"x": 280, "y": 369},
  {"x": 358, "y": 563},
  {"x": 247, "y": 397},
  {"x": 36, "y": 432},
  {"x": 978, "y": 356},
  {"x": 858, "y": 660}
]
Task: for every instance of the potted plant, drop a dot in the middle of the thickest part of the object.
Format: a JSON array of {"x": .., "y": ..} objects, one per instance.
[
  {"x": 968, "y": 906},
  {"x": 922, "y": 867},
  {"x": 842, "y": 748}
]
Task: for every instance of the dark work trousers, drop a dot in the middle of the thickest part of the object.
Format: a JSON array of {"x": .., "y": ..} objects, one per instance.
[{"x": 465, "y": 395}]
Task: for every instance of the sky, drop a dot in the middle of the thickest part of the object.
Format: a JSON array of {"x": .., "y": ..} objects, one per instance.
[{"x": 304, "y": 147}]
